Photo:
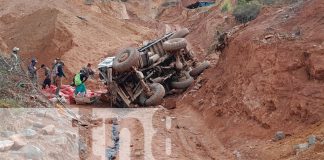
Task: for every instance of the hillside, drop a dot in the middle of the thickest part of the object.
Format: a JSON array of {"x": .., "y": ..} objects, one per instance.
[{"x": 269, "y": 77}]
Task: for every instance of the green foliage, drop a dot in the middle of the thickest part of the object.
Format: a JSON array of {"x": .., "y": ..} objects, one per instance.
[
  {"x": 268, "y": 2},
  {"x": 226, "y": 6},
  {"x": 246, "y": 10},
  {"x": 242, "y": 2}
]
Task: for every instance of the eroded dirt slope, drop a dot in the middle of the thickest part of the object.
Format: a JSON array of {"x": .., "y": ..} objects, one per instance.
[
  {"x": 268, "y": 79},
  {"x": 75, "y": 32}
]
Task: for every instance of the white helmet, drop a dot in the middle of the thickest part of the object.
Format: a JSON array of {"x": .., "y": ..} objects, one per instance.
[{"x": 15, "y": 49}]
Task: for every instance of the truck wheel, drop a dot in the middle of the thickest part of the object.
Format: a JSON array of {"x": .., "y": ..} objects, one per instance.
[
  {"x": 175, "y": 44},
  {"x": 184, "y": 83},
  {"x": 126, "y": 59},
  {"x": 158, "y": 93},
  {"x": 180, "y": 34},
  {"x": 199, "y": 69}
]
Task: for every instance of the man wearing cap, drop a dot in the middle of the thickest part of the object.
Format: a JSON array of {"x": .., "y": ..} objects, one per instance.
[{"x": 32, "y": 70}]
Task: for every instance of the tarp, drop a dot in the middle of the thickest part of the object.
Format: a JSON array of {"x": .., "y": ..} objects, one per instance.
[
  {"x": 66, "y": 91},
  {"x": 200, "y": 4}
]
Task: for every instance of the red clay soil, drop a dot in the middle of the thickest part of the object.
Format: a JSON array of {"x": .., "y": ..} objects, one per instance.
[
  {"x": 76, "y": 33},
  {"x": 202, "y": 23},
  {"x": 269, "y": 78},
  {"x": 50, "y": 40}
]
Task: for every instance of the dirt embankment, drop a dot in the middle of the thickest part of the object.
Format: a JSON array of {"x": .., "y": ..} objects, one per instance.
[
  {"x": 76, "y": 33},
  {"x": 268, "y": 79},
  {"x": 39, "y": 35}
]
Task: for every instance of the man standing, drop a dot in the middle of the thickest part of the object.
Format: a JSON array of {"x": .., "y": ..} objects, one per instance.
[
  {"x": 54, "y": 69},
  {"x": 88, "y": 71},
  {"x": 60, "y": 74},
  {"x": 32, "y": 70},
  {"x": 15, "y": 59},
  {"x": 47, "y": 80}
]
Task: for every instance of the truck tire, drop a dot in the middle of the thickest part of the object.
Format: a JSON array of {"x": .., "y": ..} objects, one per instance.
[
  {"x": 180, "y": 34},
  {"x": 125, "y": 59},
  {"x": 175, "y": 44},
  {"x": 156, "y": 98},
  {"x": 183, "y": 84},
  {"x": 199, "y": 69}
]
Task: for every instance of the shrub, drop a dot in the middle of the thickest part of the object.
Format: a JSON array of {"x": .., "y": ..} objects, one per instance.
[
  {"x": 246, "y": 11},
  {"x": 226, "y": 6},
  {"x": 268, "y": 2}
]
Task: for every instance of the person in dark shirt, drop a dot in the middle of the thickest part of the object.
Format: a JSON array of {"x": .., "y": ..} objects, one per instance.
[
  {"x": 88, "y": 71},
  {"x": 54, "y": 69},
  {"x": 59, "y": 75},
  {"x": 47, "y": 80},
  {"x": 32, "y": 70}
]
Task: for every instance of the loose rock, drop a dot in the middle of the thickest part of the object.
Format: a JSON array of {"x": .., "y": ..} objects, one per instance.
[
  {"x": 312, "y": 140},
  {"x": 38, "y": 125},
  {"x": 7, "y": 134},
  {"x": 60, "y": 140},
  {"x": 19, "y": 141},
  {"x": 237, "y": 154},
  {"x": 279, "y": 135},
  {"x": 301, "y": 147},
  {"x": 6, "y": 145},
  {"x": 31, "y": 152},
  {"x": 29, "y": 133},
  {"x": 49, "y": 130}
]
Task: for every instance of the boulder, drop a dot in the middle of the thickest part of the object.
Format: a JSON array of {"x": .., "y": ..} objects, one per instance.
[
  {"x": 7, "y": 134},
  {"x": 19, "y": 141},
  {"x": 6, "y": 145},
  {"x": 48, "y": 130},
  {"x": 31, "y": 152},
  {"x": 29, "y": 133}
]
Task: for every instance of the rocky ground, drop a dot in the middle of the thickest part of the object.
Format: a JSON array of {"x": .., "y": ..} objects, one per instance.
[
  {"x": 261, "y": 99},
  {"x": 37, "y": 133}
]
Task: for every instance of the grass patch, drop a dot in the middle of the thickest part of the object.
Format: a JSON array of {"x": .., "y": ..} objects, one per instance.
[
  {"x": 8, "y": 103},
  {"x": 226, "y": 6},
  {"x": 268, "y": 2}
]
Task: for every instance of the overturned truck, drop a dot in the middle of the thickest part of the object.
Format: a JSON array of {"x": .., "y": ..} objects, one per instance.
[{"x": 145, "y": 75}]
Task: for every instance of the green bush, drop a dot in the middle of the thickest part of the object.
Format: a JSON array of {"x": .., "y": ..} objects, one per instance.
[
  {"x": 268, "y": 2},
  {"x": 225, "y": 7},
  {"x": 246, "y": 11}
]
